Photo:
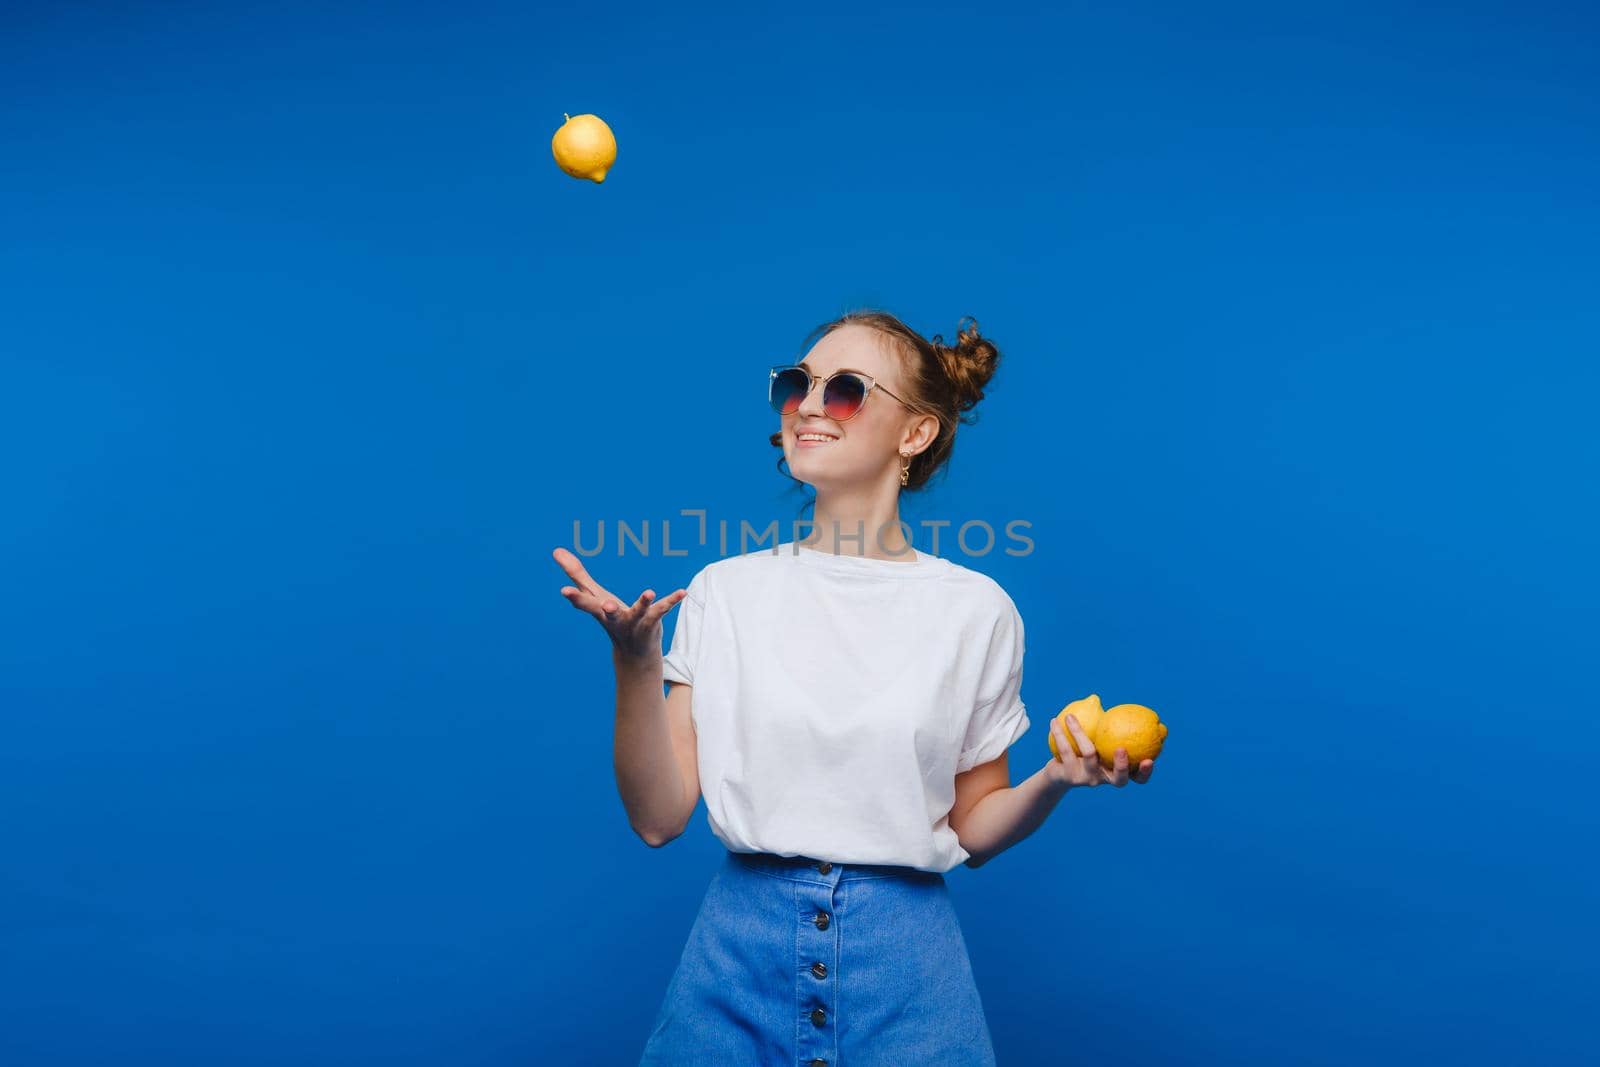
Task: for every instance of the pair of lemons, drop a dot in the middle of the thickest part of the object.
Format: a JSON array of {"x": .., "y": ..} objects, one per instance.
[{"x": 1131, "y": 726}]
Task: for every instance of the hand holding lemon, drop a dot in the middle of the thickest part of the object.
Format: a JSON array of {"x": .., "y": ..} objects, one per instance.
[{"x": 1095, "y": 746}]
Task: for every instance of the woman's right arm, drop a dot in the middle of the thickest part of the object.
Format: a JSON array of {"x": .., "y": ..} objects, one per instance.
[
  {"x": 655, "y": 756},
  {"x": 654, "y": 751}
]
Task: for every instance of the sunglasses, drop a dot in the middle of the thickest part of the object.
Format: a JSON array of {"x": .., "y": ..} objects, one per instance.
[{"x": 844, "y": 392}]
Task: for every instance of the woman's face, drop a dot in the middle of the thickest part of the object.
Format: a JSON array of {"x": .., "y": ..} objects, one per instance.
[{"x": 865, "y": 448}]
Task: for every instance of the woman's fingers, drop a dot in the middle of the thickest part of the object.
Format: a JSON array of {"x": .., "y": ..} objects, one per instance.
[
  {"x": 1060, "y": 735},
  {"x": 1071, "y": 767},
  {"x": 1084, "y": 769},
  {"x": 604, "y": 609},
  {"x": 1142, "y": 775},
  {"x": 580, "y": 577},
  {"x": 626, "y": 616},
  {"x": 603, "y": 606},
  {"x": 1084, "y": 747},
  {"x": 1117, "y": 774},
  {"x": 646, "y": 612},
  {"x": 581, "y": 600},
  {"x": 637, "y": 615},
  {"x": 626, "y": 623},
  {"x": 664, "y": 605}
]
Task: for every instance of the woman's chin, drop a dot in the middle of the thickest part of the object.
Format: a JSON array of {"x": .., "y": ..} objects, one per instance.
[
  {"x": 818, "y": 471},
  {"x": 805, "y": 460}
]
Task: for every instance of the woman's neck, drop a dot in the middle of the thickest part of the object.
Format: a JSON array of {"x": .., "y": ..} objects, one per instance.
[{"x": 863, "y": 526}]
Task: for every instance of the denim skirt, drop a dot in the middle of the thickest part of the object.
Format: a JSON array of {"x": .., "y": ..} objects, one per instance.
[{"x": 796, "y": 962}]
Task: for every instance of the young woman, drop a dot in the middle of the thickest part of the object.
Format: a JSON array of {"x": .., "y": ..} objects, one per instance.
[{"x": 845, "y": 703}]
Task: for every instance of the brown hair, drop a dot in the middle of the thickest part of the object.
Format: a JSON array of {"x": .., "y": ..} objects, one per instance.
[{"x": 942, "y": 380}]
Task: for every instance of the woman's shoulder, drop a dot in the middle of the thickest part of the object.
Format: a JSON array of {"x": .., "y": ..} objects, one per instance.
[
  {"x": 727, "y": 571},
  {"x": 984, "y": 589}
]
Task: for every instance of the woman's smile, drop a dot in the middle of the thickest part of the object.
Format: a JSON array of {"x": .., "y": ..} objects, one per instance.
[{"x": 813, "y": 439}]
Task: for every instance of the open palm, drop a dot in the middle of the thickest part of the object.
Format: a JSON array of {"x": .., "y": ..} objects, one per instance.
[{"x": 635, "y": 628}]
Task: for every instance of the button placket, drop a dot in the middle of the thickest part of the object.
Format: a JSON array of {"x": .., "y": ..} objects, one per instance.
[{"x": 816, "y": 993}]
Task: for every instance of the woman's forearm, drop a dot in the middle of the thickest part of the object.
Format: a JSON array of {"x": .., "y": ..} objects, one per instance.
[
  {"x": 647, "y": 772},
  {"x": 1006, "y": 816}
]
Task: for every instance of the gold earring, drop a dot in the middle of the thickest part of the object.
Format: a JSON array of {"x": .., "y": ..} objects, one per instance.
[{"x": 905, "y": 469}]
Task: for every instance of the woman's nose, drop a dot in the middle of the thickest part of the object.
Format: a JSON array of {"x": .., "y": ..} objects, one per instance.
[{"x": 811, "y": 403}]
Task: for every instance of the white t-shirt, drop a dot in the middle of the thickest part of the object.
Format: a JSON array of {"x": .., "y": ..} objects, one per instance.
[{"x": 836, "y": 697}]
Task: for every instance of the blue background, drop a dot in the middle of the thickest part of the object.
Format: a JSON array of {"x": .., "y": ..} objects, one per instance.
[{"x": 311, "y": 355}]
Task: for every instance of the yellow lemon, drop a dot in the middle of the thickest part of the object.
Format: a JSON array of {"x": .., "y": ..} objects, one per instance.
[
  {"x": 584, "y": 147},
  {"x": 1133, "y": 727},
  {"x": 1088, "y": 712}
]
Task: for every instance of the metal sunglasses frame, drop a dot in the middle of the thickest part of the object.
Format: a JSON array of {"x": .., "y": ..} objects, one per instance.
[{"x": 811, "y": 383}]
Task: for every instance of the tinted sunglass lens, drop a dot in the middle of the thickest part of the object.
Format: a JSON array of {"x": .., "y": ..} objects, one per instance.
[
  {"x": 844, "y": 396},
  {"x": 787, "y": 390}
]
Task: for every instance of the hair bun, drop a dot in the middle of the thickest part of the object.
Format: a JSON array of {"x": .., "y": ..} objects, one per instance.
[{"x": 970, "y": 362}]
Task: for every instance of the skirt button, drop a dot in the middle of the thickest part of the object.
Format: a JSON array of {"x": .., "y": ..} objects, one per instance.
[
  {"x": 821, "y": 920},
  {"x": 820, "y": 970},
  {"x": 819, "y": 1017},
  {"x": 824, "y": 867}
]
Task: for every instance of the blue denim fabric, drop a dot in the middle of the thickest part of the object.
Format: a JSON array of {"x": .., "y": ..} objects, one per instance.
[{"x": 897, "y": 988}]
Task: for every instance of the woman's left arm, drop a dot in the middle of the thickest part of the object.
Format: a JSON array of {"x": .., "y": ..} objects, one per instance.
[{"x": 990, "y": 816}]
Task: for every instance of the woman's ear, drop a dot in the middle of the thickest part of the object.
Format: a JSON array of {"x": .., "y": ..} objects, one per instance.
[{"x": 921, "y": 435}]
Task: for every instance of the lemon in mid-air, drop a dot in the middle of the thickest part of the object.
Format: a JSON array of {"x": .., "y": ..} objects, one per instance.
[
  {"x": 1088, "y": 712},
  {"x": 584, "y": 147},
  {"x": 1133, "y": 727}
]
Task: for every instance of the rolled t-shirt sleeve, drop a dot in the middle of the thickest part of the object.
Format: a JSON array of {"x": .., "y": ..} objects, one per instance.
[
  {"x": 679, "y": 661},
  {"x": 1000, "y": 716}
]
